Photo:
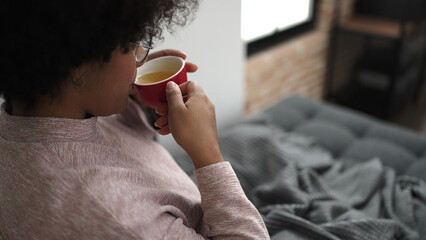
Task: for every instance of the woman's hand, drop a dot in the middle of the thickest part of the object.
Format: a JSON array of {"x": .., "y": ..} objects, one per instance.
[{"x": 192, "y": 122}]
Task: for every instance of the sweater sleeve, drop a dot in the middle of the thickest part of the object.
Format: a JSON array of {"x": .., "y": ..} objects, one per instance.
[
  {"x": 227, "y": 211},
  {"x": 106, "y": 205},
  {"x": 111, "y": 203}
]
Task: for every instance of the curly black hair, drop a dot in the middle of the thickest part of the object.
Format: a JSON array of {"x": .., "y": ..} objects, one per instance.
[{"x": 42, "y": 41}]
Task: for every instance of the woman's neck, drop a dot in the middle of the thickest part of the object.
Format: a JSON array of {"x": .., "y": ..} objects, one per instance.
[{"x": 46, "y": 107}]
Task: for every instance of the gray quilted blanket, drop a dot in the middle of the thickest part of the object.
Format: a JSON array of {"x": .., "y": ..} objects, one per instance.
[{"x": 303, "y": 193}]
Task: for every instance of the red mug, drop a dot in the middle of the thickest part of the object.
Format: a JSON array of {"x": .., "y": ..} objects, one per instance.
[{"x": 154, "y": 76}]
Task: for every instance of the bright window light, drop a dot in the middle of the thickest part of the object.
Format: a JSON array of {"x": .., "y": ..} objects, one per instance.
[{"x": 263, "y": 18}]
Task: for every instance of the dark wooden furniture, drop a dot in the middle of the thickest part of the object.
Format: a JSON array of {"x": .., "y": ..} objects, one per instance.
[{"x": 389, "y": 70}]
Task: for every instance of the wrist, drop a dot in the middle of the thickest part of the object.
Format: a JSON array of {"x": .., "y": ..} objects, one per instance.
[{"x": 205, "y": 158}]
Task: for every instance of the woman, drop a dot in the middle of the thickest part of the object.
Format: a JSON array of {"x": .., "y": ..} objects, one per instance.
[{"x": 77, "y": 159}]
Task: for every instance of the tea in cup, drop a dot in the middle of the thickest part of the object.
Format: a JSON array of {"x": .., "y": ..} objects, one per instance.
[{"x": 154, "y": 76}]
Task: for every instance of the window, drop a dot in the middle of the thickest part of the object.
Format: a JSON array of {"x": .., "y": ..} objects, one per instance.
[{"x": 268, "y": 22}]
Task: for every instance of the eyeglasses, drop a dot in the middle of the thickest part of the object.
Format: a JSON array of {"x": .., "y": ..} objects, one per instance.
[{"x": 141, "y": 53}]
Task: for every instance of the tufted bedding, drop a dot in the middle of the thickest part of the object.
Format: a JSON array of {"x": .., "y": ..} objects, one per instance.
[
  {"x": 318, "y": 171},
  {"x": 352, "y": 137}
]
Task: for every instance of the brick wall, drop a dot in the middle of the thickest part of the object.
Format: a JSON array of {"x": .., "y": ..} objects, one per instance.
[{"x": 297, "y": 66}]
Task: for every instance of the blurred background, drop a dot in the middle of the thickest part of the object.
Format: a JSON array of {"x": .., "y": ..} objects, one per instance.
[{"x": 365, "y": 55}]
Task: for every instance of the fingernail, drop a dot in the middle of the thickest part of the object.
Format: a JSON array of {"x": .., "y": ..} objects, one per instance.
[{"x": 171, "y": 85}]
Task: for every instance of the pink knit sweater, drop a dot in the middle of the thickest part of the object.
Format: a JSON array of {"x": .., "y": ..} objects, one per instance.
[{"x": 105, "y": 178}]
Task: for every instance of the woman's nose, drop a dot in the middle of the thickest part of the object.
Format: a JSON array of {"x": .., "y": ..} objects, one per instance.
[{"x": 139, "y": 64}]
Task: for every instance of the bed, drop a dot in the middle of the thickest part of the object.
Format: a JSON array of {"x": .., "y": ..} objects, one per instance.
[{"x": 315, "y": 170}]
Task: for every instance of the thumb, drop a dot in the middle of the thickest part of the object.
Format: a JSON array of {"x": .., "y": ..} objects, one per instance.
[{"x": 174, "y": 94}]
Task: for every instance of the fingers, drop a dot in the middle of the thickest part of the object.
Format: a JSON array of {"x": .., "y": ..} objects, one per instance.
[
  {"x": 190, "y": 88},
  {"x": 162, "y": 109},
  {"x": 164, "y": 131},
  {"x": 162, "y": 124},
  {"x": 162, "y": 121},
  {"x": 177, "y": 96},
  {"x": 192, "y": 123},
  {"x": 174, "y": 95},
  {"x": 191, "y": 67}
]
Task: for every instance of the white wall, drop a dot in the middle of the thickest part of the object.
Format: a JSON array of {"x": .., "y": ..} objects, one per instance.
[{"x": 213, "y": 42}]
